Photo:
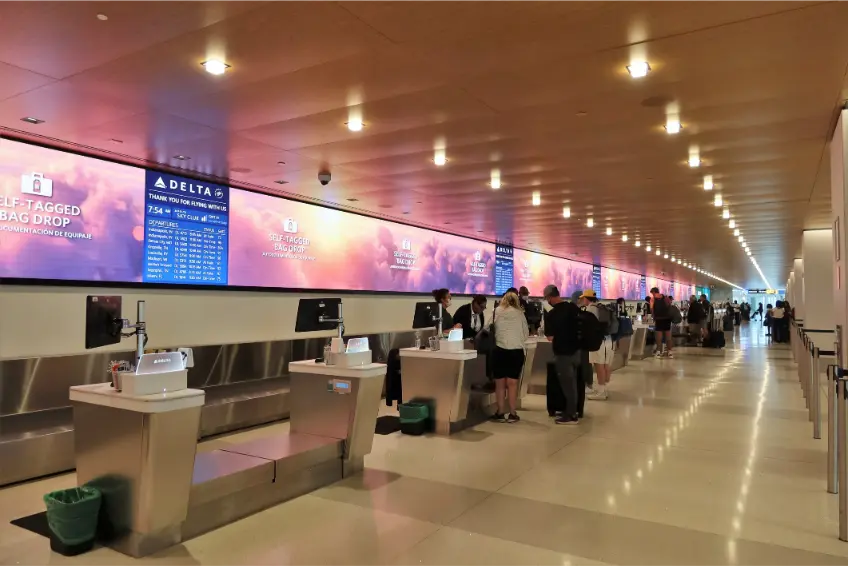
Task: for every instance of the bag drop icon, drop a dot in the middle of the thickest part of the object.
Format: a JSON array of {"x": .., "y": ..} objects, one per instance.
[{"x": 290, "y": 226}]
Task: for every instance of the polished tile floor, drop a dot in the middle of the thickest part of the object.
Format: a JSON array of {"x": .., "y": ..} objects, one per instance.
[{"x": 704, "y": 459}]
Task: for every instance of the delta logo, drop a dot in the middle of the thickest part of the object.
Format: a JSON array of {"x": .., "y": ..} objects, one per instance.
[{"x": 197, "y": 189}]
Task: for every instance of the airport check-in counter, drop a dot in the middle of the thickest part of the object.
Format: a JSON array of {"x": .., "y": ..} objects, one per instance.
[
  {"x": 141, "y": 451},
  {"x": 536, "y": 382},
  {"x": 443, "y": 379},
  {"x": 637, "y": 349}
]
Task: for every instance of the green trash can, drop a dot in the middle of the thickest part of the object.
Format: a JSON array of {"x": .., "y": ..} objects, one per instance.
[
  {"x": 414, "y": 418},
  {"x": 72, "y": 516}
]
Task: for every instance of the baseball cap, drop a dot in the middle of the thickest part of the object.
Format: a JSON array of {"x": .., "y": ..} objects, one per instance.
[
  {"x": 588, "y": 294},
  {"x": 550, "y": 291}
]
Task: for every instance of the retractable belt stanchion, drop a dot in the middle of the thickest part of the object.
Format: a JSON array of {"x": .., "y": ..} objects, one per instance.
[
  {"x": 841, "y": 438},
  {"x": 816, "y": 396},
  {"x": 832, "y": 408}
]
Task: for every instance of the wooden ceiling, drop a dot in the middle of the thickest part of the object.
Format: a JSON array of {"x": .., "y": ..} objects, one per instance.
[{"x": 537, "y": 90}]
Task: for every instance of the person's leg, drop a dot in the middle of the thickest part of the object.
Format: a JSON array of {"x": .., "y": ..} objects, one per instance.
[
  {"x": 658, "y": 338},
  {"x": 567, "y": 367},
  {"x": 512, "y": 388},
  {"x": 580, "y": 372},
  {"x": 499, "y": 395},
  {"x": 587, "y": 373},
  {"x": 669, "y": 342}
]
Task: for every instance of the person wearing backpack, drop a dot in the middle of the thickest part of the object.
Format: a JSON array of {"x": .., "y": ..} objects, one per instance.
[
  {"x": 661, "y": 311},
  {"x": 601, "y": 358},
  {"x": 563, "y": 329}
]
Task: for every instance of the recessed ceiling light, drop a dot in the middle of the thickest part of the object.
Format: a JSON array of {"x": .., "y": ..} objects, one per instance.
[
  {"x": 182, "y": 157},
  {"x": 215, "y": 67},
  {"x": 355, "y": 125},
  {"x": 672, "y": 125},
  {"x": 725, "y": 213},
  {"x": 638, "y": 244},
  {"x": 638, "y": 69},
  {"x": 102, "y": 17},
  {"x": 648, "y": 248},
  {"x": 439, "y": 157},
  {"x": 718, "y": 201},
  {"x": 495, "y": 179},
  {"x": 708, "y": 182},
  {"x": 665, "y": 256},
  {"x": 537, "y": 198},
  {"x": 624, "y": 237},
  {"x": 732, "y": 224},
  {"x": 609, "y": 231},
  {"x": 694, "y": 160},
  {"x": 281, "y": 162},
  {"x": 658, "y": 252},
  {"x": 281, "y": 181},
  {"x": 741, "y": 239},
  {"x": 736, "y": 232},
  {"x": 566, "y": 212},
  {"x": 673, "y": 260},
  {"x": 31, "y": 120},
  {"x": 590, "y": 222}
]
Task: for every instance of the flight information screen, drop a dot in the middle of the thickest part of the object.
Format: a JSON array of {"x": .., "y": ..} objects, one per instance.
[
  {"x": 504, "y": 268},
  {"x": 186, "y": 230}
]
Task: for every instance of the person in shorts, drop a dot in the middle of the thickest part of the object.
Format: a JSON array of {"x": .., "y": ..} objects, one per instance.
[
  {"x": 661, "y": 311},
  {"x": 601, "y": 359},
  {"x": 511, "y": 333}
]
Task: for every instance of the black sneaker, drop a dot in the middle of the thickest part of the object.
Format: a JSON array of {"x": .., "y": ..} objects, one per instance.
[
  {"x": 566, "y": 421},
  {"x": 498, "y": 418},
  {"x": 512, "y": 418}
]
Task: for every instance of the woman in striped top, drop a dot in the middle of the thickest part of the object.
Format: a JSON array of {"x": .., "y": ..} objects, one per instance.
[{"x": 511, "y": 332}]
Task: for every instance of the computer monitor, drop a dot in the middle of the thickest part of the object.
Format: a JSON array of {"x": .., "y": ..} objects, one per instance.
[
  {"x": 311, "y": 312},
  {"x": 103, "y": 322},
  {"x": 426, "y": 315}
]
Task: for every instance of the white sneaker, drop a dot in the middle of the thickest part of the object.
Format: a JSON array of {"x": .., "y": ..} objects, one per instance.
[
  {"x": 658, "y": 353},
  {"x": 594, "y": 395}
]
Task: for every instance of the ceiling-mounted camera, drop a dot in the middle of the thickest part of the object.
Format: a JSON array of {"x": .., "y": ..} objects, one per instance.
[{"x": 324, "y": 177}]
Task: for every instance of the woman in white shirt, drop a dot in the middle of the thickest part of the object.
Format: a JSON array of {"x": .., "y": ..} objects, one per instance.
[{"x": 511, "y": 332}]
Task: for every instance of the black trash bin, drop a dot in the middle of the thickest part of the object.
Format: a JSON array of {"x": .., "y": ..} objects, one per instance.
[{"x": 72, "y": 516}]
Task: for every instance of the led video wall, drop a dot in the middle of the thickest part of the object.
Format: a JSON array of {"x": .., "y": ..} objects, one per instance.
[{"x": 67, "y": 217}]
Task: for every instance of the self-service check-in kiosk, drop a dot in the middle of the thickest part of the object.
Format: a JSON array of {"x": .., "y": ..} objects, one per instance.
[
  {"x": 136, "y": 438},
  {"x": 441, "y": 372}
]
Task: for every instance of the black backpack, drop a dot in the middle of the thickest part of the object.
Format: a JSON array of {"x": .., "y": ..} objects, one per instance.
[{"x": 590, "y": 334}]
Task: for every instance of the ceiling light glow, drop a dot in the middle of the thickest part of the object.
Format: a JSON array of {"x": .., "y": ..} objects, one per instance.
[
  {"x": 215, "y": 67},
  {"x": 624, "y": 237},
  {"x": 648, "y": 248},
  {"x": 672, "y": 125},
  {"x": 638, "y": 244},
  {"x": 725, "y": 213},
  {"x": 537, "y": 198},
  {"x": 736, "y": 232},
  {"x": 609, "y": 231},
  {"x": 566, "y": 212},
  {"x": 638, "y": 69},
  {"x": 495, "y": 183},
  {"x": 732, "y": 224},
  {"x": 439, "y": 157},
  {"x": 590, "y": 222},
  {"x": 717, "y": 201},
  {"x": 355, "y": 125},
  {"x": 708, "y": 182}
]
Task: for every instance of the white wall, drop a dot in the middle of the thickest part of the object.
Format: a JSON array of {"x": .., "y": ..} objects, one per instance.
[
  {"x": 49, "y": 321},
  {"x": 817, "y": 248}
]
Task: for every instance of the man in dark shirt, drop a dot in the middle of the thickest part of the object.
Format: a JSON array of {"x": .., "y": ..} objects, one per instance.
[{"x": 562, "y": 329}]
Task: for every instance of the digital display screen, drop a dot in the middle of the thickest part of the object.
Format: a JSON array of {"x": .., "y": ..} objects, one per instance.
[
  {"x": 69, "y": 217},
  {"x": 535, "y": 271},
  {"x": 186, "y": 230},
  {"x": 281, "y": 243},
  {"x": 504, "y": 268},
  {"x": 596, "y": 281},
  {"x": 615, "y": 284},
  {"x": 65, "y": 216}
]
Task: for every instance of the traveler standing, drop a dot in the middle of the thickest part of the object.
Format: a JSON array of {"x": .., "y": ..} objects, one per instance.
[
  {"x": 760, "y": 311},
  {"x": 695, "y": 317},
  {"x": 602, "y": 358},
  {"x": 777, "y": 323},
  {"x": 562, "y": 329},
  {"x": 661, "y": 310},
  {"x": 585, "y": 364},
  {"x": 709, "y": 316},
  {"x": 511, "y": 333}
]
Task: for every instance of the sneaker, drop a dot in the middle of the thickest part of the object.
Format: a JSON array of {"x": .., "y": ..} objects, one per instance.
[
  {"x": 669, "y": 355},
  {"x": 591, "y": 391},
  {"x": 601, "y": 396},
  {"x": 658, "y": 353},
  {"x": 566, "y": 421},
  {"x": 512, "y": 418},
  {"x": 594, "y": 395},
  {"x": 498, "y": 418}
]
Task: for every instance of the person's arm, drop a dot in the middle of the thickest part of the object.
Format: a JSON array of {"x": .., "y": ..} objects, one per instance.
[
  {"x": 525, "y": 330},
  {"x": 549, "y": 325}
]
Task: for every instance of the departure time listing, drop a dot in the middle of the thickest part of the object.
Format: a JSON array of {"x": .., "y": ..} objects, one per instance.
[{"x": 186, "y": 231}]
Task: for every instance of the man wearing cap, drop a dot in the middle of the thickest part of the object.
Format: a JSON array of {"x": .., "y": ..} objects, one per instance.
[
  {"x": 561, "y": 328},
  {"x": 602, "y": 358}
]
